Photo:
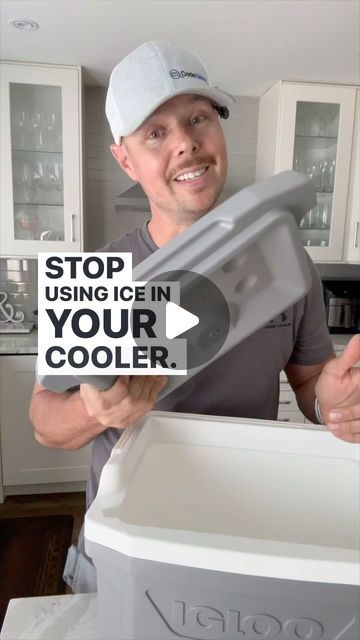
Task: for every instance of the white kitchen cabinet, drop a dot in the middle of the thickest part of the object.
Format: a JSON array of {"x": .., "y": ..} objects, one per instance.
[
  {"x": 27, "y": 466},
  {"x": 352, "y": 231},
  {"x": 41, "y": 159},
  {"x": 309, "y": 128},
  {"x": 288, "y": 408}
]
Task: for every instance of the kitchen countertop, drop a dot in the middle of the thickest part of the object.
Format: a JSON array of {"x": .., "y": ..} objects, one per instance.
[
  {"x": 70, "y": 617},
  {"x": 19, "y": 343},
  {"x": 340, "y": 340},
  {"x": 22, "y": 344}
]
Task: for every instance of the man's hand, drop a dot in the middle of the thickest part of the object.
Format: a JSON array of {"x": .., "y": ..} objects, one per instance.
[
  {"x": 128, "y": 400},
  {"x": 338, "y": 392}
]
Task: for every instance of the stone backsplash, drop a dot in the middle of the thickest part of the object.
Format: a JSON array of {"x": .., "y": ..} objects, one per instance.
[{"x": 18, "y": 279}]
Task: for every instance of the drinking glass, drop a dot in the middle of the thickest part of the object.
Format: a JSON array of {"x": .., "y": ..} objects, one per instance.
[
  {"x": 58, "y": 183},
  {"x": 325, "y": 216},
  {"x": 316, "y": 175},
  {"x": 38, "y": 178},
  {"x": 36, "y": 131},
  {"x": 26, "y": 180},
  {"x": 325, "y": 176},
  {"x": 310, "y": 220},
  {"x": 50, "y": 131},
  {"x": 331, "y": 176},
  {"x": 21, "y": 129}
]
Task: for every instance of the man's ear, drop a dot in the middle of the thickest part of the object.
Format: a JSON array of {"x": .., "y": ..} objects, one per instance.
[{"x": 122, "y": 157}]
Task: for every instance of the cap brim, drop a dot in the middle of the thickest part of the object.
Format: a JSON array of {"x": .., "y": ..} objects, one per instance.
[{"x": 220, "y": 98}]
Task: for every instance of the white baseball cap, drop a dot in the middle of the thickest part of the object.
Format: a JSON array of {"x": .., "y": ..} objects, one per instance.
[{"x": 149, "y": 76}]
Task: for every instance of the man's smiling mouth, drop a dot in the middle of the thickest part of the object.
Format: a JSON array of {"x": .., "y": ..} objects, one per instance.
[{"x": 191, "y": 175}]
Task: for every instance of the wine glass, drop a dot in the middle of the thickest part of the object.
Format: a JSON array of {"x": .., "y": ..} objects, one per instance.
[
  {"x": 316, "y": 175},
  {"x": 26, "y": 180},
  {"x": 323, "y": 125},
  {"x": 36, "y": 128},
  {"x": 21, "y": 125},
  {"x": 49, "y": 127},
  {"x": 52, "y": 179},
  {"x": 39, "y": 180},
  {"x": 325, "y": 216},
  {"x": 325, "y": 176},
  {"x": 331, "y": 176},
  {"x": 57, "y": 180}
]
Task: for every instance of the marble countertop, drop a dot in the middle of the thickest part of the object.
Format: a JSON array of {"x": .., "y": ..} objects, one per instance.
[
  {"x": 340, "y": 340},
  {"x": 19, "y": 343},
  {"x": 26, "y": 343},
  {"x": 71, "y": 617}
]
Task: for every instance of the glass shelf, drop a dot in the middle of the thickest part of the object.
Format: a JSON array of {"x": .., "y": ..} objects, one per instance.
[
  {"x": 57, "y": 152},
  {"x": 38, "y": 204},
  {"x": 19, "y": 152},
  {"x": 301, "y": 135},
  {"x": 317, "y": 229}
]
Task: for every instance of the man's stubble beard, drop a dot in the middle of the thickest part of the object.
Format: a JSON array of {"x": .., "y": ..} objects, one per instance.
[{"x": 184, "y": 212}]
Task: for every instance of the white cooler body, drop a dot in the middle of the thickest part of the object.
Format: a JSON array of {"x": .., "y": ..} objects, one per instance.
[{"x": 210, "y": 527}]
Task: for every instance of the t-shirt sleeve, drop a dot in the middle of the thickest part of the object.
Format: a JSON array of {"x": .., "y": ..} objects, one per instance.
[
  {"x": 313, "y": 344},
  {"x": 115, "y": 246}
]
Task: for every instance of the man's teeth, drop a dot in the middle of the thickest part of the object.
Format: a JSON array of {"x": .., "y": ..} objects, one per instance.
[{"x": 191, "y": 175}]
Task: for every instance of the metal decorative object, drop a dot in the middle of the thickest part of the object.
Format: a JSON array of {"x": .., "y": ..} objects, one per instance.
[{"x": 7, "y": 310}]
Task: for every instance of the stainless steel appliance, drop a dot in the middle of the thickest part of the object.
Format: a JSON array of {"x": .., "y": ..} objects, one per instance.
[{"x": 342, "y": 302}]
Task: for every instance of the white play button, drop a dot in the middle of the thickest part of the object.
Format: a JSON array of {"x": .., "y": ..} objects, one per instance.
[{"x": 178, "y": 320}]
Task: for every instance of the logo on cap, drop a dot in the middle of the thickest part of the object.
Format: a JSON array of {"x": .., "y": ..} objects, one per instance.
[{"x": 175, "y": 75}]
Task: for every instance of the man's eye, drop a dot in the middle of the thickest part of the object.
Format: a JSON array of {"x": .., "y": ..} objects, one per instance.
[
  {"x": 198, "y": 119},
  {"x": 156, "y": 134}
]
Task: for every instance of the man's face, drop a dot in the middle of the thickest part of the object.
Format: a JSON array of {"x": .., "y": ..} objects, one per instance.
[{"x": 179, "y": 157}]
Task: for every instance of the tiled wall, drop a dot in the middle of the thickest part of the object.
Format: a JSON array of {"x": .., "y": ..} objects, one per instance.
[
  {"x": 18, "y": 279},
  {"x": 241, "y": 138},
  {"x": 104, "y": 179}
]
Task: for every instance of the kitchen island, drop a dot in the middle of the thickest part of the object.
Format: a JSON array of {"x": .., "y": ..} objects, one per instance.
[
  {"x": 70, "y": 617},
  {"x": 12, "y": 344}
]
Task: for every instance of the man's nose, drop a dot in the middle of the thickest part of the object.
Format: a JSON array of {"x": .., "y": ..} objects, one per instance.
[{"x": 186, "y": 141}]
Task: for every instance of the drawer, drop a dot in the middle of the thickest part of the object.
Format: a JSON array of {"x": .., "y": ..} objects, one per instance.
[
  {"x": 287, "y": 400},
  {"x": 291, "y": 416}
]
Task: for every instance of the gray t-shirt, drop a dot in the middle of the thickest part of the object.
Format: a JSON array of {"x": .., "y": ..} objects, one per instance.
[{"x": 245, "y": 381}]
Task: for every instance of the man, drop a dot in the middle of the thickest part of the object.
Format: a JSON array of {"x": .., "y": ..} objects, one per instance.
[{"x": 165, "y": 118}]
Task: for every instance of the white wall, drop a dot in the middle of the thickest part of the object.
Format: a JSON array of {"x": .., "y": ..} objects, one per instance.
[{"x": 104, "y": 179}]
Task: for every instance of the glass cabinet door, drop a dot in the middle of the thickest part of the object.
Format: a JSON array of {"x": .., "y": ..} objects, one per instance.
[
  {"x": 315, "y": 150},
  {"x": 316, "y": 138},
  {"x": 41, "y": 197},
  {"x": 37, "y": 162}
]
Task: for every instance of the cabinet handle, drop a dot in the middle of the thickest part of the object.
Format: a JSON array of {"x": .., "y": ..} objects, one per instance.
[
  {"x": 356, "y": 244},
  {"x": 284, "y": 401},
  {"x": 72, "y": 238}
]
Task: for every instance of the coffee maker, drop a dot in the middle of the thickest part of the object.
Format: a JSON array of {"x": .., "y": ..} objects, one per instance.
[{"x": 342, "y": 303}]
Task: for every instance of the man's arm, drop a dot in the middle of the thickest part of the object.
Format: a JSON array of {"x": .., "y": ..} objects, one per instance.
[
  {"x": 72, "y": 419},
  {"x": 303, "y": 380},
  {"x": 336, "y": 384}
]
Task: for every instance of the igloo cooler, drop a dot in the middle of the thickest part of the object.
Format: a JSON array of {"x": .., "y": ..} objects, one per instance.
[{"x": 219, "y": 528}]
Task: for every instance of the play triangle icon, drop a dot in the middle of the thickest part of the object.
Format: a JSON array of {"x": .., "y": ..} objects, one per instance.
[{"x": 178, "y": 320}]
